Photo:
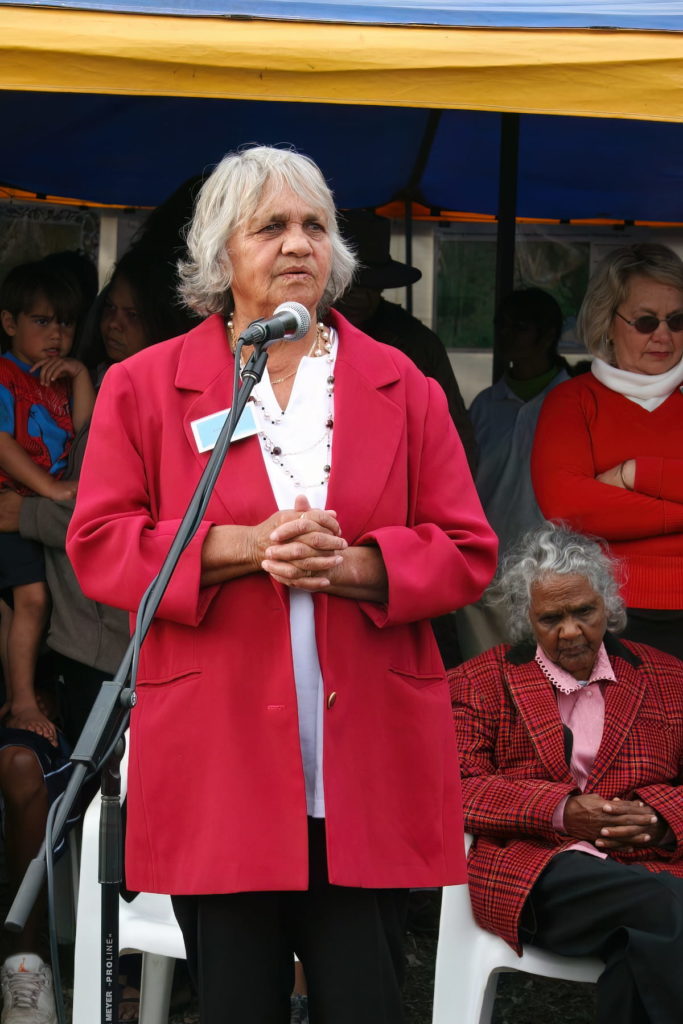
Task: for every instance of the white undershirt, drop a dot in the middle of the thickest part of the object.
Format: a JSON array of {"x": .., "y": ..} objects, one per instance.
[{"x": 302, "y": 424}]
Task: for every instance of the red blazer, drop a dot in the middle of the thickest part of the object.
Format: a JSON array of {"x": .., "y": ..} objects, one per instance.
[
  {"x": 514, "y": 771},
  {"x": 216, "y": 789}
]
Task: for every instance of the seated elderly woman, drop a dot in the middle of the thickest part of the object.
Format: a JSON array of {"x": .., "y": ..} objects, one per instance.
[{"x": 571, "y": 744}]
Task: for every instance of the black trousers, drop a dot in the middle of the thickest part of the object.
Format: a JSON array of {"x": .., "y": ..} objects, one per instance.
[
  {"x": 240, "y": 950},
  {"x": 627, "y": 916},
  {"x": 81, "y": 686}
]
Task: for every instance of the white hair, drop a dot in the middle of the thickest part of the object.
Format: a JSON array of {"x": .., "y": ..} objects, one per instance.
[
  {"x": 228, "y": 199},
  {"x": 553, "y": 549}
]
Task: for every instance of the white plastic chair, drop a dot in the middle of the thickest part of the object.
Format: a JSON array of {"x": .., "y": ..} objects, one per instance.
[
  {"x": 146, "y": 925},
  {"x": 469, "y": 960}
]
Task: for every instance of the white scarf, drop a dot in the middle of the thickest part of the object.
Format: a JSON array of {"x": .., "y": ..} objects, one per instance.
[{"x": 648, "y": 390}]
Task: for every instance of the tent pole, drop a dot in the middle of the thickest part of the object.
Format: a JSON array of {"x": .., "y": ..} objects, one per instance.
[
  {"x": 408, "y": 227},
  {"x": 108, "y": 247},
  {"x": 412, "y": 191},
  {"x": 507, "y": 214}
]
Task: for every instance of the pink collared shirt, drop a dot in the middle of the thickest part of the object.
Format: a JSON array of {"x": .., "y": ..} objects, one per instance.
[{"x": 582, "y": 709}]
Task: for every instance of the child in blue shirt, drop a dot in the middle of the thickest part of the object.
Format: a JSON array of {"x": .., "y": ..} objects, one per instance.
[{"x": 44, "y": 397}]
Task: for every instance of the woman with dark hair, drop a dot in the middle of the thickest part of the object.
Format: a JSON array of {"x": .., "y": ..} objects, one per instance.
[
  {"x": 293, "y": 770},
  {"x": 137, "y": 308}
]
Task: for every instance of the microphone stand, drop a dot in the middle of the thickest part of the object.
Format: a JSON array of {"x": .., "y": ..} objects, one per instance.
[{"x": 102, "y": 742}]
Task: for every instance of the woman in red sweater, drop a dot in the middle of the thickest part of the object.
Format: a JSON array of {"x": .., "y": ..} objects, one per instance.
[{"x": 608, "y": 453}]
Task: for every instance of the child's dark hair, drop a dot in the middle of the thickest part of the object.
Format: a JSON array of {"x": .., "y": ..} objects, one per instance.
[
  {"x": 74, "y": 263},
  {"x": 28, "y": 283}
]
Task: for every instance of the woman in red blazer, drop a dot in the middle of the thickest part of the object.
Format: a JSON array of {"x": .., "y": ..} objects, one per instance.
[
  {"x": 571, "y": 746},
  {"x": 293, "y": 769}
]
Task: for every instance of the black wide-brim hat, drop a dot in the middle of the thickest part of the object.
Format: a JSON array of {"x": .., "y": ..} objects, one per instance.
[{"x": 370, "y": 237}]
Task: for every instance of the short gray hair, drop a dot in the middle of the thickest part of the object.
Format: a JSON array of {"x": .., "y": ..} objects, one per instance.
[
  {"x": 609, "y": 285},
  {"x": 553, "y": 549},
  {"x": 228, "y": 199}
]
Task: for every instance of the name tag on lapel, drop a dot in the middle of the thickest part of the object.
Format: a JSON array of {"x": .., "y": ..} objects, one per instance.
[{"x": 207, "y": 429}]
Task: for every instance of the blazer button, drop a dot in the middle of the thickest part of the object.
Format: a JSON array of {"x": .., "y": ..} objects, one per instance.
[{"x": 331, "y": 699}]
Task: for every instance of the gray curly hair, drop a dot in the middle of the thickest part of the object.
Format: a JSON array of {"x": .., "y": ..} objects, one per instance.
[
  {"x": 553, "y": 549},
  {"x": 609, "y": 287},
  {"x": 228, "y": 199}
]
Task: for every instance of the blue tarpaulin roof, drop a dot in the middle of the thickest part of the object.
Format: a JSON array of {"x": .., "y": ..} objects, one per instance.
[
  {"x": 628, "y": 14},
  {"x": 121, "y": 108},
  {"x": 131, "y": 153}
]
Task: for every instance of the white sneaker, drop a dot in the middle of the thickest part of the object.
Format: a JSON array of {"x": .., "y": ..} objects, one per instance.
[{"x": 27, "y": 993}]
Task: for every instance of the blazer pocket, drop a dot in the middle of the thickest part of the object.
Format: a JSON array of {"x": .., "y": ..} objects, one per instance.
[
  {"x": 419, "y": 680},
  {"x": 182, "y": 676}
]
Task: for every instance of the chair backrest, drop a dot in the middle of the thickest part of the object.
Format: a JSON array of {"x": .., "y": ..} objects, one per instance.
[{"x": 147, "y": 924}]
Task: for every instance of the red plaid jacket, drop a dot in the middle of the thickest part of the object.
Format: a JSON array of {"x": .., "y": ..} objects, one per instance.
[{"x": 514, "y": 768}]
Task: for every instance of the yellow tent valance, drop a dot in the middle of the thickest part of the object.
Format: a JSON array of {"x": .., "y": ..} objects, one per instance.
[{"x": 596, "y": 73}]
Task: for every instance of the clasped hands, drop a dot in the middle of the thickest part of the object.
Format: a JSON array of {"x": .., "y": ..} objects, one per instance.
[
  {"x": 614, "y": 824},
  {"x": 301, "y": 547}
]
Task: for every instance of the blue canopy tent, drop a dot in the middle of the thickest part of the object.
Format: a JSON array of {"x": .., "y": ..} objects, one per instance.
[
  {"x": 628, "y": 14},
  {"x": 116, "y": 101},
  {"x": 133, "y": 151}
]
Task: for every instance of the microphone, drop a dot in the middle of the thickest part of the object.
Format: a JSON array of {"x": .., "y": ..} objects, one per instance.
[{"x": 290, "y": 322}]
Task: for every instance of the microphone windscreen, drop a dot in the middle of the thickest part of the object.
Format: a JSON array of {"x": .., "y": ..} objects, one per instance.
[{"x": 300, "y": 319}]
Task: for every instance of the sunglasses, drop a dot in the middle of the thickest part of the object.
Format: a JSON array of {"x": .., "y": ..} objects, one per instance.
[{"x": 648, "y": 323}]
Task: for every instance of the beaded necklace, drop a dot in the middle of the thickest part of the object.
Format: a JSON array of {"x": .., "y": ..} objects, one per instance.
[{"x": 322, "y": 346}]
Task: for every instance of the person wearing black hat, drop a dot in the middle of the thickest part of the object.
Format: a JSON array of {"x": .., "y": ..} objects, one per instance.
[{"x": 364, "y": 305}]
